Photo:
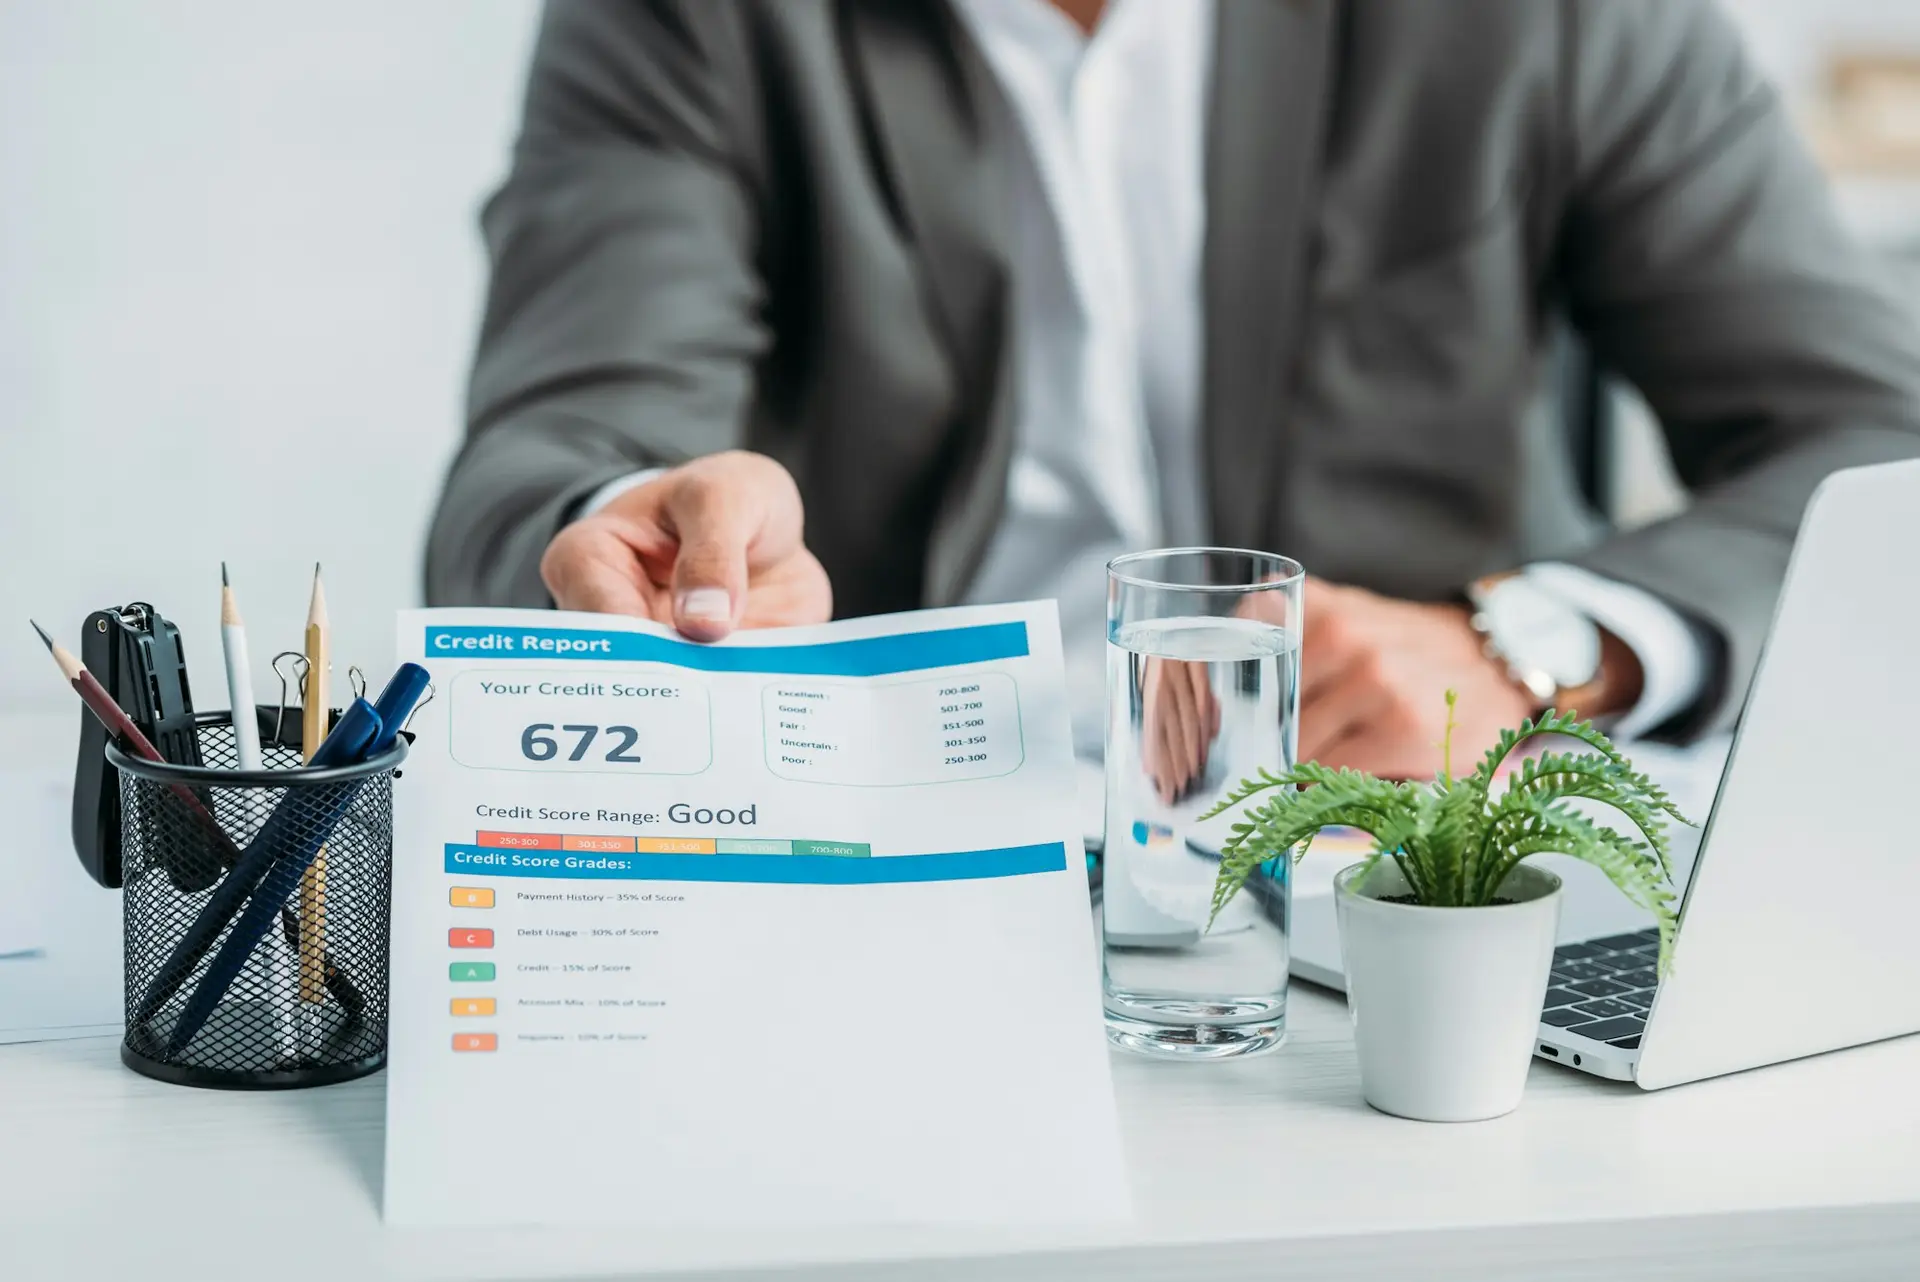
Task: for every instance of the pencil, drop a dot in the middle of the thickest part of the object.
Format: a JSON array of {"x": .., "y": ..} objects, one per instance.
[
  {"x": 313, "y": 730},
  {"x": 233, "y": 641},
  {"x": 117, "y": 722}
]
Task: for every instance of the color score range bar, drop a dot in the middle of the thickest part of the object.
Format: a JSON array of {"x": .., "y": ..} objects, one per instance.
[
  {"x": 774, "y": 869},
  {"x": 670, "y": 845}
]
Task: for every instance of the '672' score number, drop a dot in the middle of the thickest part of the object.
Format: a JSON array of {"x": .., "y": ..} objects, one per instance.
[
  {"x": 538, "y": 742},
  {"x": 581, "y": 721}
]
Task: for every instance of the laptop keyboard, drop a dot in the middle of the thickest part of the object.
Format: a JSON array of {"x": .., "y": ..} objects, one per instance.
[{"x": 1603, "y": 988}]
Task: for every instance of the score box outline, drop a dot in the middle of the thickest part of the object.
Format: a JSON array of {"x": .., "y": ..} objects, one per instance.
[
  {"x": 918, "y": 678},
  {"x": 580, "y": 767}
]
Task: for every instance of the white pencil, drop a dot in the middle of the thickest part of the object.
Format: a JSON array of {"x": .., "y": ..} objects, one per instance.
[
  {"x": 233, "y": 639},
  {"x": 273, "y": 964}
]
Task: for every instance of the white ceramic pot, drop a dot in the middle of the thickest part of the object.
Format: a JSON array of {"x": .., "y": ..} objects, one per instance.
[{"x": 1445, "y": 1001}]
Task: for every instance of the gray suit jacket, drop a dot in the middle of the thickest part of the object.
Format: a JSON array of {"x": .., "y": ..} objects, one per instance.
[{"x": 781, "y": 224}]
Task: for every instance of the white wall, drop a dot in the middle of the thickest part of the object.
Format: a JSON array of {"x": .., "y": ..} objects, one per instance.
[
  {"x": 239, "y": 275},
  {"x": 1792, "y": 38}
]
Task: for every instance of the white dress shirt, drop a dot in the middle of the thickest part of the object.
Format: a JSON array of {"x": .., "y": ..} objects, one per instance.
[
  {"x": 1109, "y": 222},
  {"x": 1108, "y": 218}
]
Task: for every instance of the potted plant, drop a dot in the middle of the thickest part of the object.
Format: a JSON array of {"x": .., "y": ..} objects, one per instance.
[{"x": 1447, "y": 933}]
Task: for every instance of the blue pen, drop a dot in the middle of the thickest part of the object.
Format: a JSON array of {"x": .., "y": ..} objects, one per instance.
[
  {"x": 358, "y": 726},
  {"x": 395, "y": 704}
]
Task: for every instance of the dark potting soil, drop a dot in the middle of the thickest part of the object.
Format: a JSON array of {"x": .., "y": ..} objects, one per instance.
[{"x": 1414, "y": 900}]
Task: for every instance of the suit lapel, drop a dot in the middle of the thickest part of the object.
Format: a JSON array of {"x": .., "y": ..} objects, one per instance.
[
  {"x": 940, "y": 130},
  {"x": 1272, "y": 78}
]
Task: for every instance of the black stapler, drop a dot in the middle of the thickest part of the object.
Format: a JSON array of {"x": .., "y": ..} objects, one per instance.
[{"x": 137, "y": 656}]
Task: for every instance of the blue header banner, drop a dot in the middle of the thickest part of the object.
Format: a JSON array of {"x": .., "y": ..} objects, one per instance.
[
  {"x": 790, "y": 870},
  {"x": 859, "y": 657}
]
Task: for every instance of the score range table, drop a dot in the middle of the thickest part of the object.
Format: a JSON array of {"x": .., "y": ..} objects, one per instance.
[{"x": 561, "y": 979}]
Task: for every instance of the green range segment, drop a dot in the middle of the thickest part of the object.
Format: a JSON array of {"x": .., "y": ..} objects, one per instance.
[{"x": 846, "y": 849}]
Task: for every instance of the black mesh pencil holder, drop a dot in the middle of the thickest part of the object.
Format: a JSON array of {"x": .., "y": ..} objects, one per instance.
[{"x": 256, "y": 909}]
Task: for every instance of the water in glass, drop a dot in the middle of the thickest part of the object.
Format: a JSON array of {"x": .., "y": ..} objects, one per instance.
[{"x": 1195, "y": 705}]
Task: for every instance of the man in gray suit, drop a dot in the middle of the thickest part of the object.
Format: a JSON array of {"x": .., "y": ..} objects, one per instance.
[{"x": 991, "y": 290}]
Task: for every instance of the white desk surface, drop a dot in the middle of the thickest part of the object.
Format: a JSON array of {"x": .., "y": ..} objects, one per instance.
[
  {"x": 1265, "y": 1168},
  {"x": 1238, "y": 1169}
]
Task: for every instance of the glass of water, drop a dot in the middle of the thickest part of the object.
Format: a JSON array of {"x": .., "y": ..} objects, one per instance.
[{"x": 1203, "y": 691}]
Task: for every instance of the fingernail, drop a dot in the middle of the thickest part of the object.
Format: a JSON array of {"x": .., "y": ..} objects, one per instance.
[{"x": 707, "y": 603}]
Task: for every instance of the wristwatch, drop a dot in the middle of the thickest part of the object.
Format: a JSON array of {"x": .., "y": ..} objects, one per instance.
[{"x": 1550, "y": 649}]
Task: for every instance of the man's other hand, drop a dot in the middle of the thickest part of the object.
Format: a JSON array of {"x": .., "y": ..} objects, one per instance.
[
  {"x": 1180, "y": 719},
  {"x": 1373, "y": 683},
  {"x": 710, "y": 546}
]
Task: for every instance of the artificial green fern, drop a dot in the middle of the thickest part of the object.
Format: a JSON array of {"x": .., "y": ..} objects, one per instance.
[{"x": 1454, "y": 840}]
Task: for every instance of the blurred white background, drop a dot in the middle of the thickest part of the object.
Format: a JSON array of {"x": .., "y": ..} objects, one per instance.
[{"x": 239, "y": 276}]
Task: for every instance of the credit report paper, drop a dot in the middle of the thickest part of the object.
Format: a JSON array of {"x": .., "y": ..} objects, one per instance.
[{"x": 789, "y": 929}]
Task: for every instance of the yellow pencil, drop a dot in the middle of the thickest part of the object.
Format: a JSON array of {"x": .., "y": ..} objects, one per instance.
[{"x": 313, "y": 729}]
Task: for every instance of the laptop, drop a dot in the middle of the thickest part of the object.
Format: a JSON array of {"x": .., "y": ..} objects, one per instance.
[{"x": 1800, "y": 926}]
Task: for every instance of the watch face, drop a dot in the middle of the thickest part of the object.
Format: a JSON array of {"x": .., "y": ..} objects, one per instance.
[{"x": 1537, "y": 630}]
